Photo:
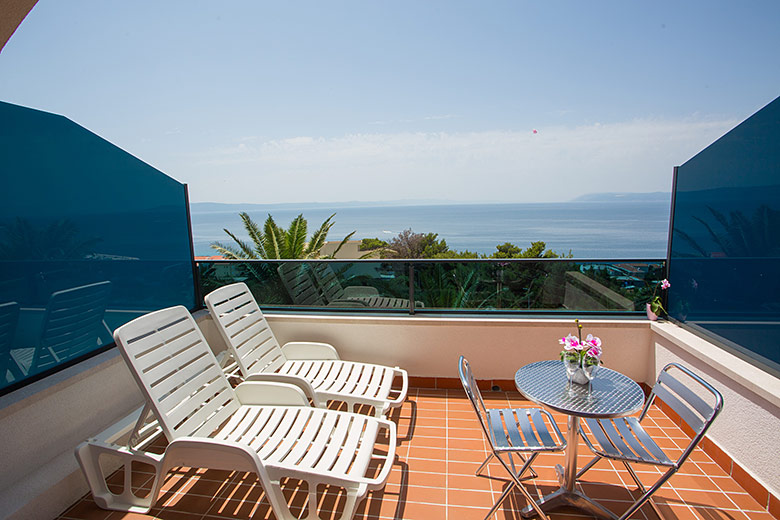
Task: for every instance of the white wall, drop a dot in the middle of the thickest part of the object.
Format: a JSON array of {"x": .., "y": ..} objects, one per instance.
[
  {"x": 41, "y": 425},
  {"x": 748, "y": 427},
  {"x": 495, "y": 347}
]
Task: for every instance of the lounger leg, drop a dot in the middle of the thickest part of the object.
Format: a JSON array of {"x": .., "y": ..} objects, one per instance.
[{"x": 88, "y": 456}]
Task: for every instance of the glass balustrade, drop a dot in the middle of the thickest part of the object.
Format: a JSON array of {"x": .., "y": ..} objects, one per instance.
[{"x": 413, "y": 286}]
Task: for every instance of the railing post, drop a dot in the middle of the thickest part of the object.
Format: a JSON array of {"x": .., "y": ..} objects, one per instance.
[{"x": 411, "y": 288}]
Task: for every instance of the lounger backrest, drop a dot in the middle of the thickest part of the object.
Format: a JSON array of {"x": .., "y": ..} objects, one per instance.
[
  {"x": 244, "y": 329},
  {"x": 72, "y": 324},
  {"x": 300, "y": 284},
  {"x": 328, "y": 281},
  {"x": 177, "y": 372}
]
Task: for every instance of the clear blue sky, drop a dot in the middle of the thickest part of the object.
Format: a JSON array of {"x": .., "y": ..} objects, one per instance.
[{"x": 261, "y": 102}]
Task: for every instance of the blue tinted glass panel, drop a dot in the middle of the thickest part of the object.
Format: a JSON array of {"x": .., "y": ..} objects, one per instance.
[
  {"x": 725, "y": 251},
  {"x": 90, "y": 237},
  {"x": 557, "y": 286}
]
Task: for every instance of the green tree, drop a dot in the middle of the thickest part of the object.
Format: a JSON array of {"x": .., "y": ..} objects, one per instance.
[
  {"x": 369, "y": 244},
  {"x": 409, "y": 244},
  {"x": 536, "y": 250},
  {"x": 273, "y": 242}
]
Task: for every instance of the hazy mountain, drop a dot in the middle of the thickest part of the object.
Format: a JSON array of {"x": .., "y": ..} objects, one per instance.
[{"x": 656, "y": 196}]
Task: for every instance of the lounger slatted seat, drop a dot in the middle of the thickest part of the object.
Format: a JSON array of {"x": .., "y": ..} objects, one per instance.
[
  {"x": 317, "y": 286},
  {"x": 266, "y": 428},
  {"x": 315, "y": 367},
  {"x": 336, "y": 294}
]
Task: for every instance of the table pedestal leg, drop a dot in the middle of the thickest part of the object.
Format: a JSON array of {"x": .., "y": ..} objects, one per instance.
[{"x": 567, "y": 495}]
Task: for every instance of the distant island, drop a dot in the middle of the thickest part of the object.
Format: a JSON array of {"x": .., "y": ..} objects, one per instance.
[
  {"x": 207, "y": 207},
  {"x": 656, "y": 196}
]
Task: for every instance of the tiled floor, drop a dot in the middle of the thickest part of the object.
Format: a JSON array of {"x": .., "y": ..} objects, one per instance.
[{"x": 440, "y": 447}]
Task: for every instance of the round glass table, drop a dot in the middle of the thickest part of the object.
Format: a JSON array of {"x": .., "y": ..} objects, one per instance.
[{"x": 611, "y": 394}]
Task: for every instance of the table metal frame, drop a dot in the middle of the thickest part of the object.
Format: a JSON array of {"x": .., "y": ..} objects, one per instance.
[{"x": 611, "y": 394}]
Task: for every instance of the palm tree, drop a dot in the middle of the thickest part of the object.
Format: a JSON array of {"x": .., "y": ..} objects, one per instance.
[{"x": 274, "y": 242}]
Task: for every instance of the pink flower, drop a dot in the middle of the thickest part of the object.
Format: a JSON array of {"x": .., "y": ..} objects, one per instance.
[
  {"x": 571, "y": 343},
  {"x": 593, "y": 341},
  {"x": 593, "y": 345},
  {"x": 665, "y": 284}
]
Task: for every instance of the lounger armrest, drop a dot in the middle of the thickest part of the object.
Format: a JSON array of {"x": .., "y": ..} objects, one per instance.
[
  {"x": 341, "y": 302},
  {"x": 358, "y": 291},
  {"x": 387, "y": 463},
  {"x": 289, "y": 379},
  {"x": 270, "y": 393},
  {"x": 212, "y": 453},
  {"x": 309, "y": 350}
]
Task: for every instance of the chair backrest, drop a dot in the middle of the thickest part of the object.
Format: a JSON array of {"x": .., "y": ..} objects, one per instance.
[
  {"x": 244, "y": 329},
  {"x": 300, "y": 284},
  {"x": 176, "y": 372},
  {"x": 72, "y": 324},
  {"x": 328, "y": 281},
  {"x": 693, "y": 399},
  {"x": 474, "y": 395}
]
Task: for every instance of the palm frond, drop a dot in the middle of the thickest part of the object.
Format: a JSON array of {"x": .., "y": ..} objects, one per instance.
[
  {"x": 254, "y": 233},
  {"x": 691, "y": 242},
  {"x": 319, "y": 237},
  {"x": 295, "y": 239},
  {"x": 229, "y": 252},
  {"x": 274, "y": 236},
  {"x": 341, "y": 244}
]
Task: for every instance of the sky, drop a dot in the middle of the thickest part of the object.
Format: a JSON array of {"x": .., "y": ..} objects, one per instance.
[{"x": 326, "y": 101}]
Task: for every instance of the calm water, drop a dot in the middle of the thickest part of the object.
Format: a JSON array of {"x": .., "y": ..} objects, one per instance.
[{"x": 613, "y": 229}]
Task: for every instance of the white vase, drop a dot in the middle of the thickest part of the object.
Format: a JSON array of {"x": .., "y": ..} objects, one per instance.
[
  {"x": 650, "y": 314},
  {"x": 579, "y": 377}
]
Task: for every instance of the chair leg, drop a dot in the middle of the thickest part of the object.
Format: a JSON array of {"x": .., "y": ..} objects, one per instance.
[
  {"x": 485, "y": 463},
  {"x": 518, "y": 483},
  {"x": 589, "y": 465},
  {"x": 642, "y": 488}
]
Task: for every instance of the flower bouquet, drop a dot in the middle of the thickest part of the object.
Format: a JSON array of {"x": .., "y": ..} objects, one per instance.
[{"x": 581, "y": 358}]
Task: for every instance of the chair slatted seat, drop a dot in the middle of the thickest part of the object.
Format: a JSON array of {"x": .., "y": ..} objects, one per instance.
[
  {"x": 525, "y": 432},
  {"x": 314, "y": 366},
  {"x": 624, "y": 439}
]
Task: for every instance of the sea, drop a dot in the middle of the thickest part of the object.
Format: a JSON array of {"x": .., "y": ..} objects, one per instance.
[{"x": 592, "y": 229}]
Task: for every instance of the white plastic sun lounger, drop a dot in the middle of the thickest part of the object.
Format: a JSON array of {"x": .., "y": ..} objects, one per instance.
[
  {"x": 265, "y": 428},
  {"x": 315, "y": 367}
]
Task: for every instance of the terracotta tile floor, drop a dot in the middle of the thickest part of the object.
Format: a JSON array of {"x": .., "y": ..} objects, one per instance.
[{"x": 440, "y": 446}]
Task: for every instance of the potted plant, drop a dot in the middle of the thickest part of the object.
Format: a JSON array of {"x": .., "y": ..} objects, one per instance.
[
  {"x": 581, "y": 358},
  {"x": 654, "y": 307}
]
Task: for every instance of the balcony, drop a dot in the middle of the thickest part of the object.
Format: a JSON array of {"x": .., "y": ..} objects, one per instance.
[
  {"x": 440, "y": 442},
  {"x": 500, "y": 315}
]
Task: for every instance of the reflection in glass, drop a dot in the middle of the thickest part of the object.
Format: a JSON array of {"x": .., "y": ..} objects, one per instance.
[
  {"x": 725, "y": 244},
  {"x": 78, "y": 214},
  {"x": 448, "y": 285}
]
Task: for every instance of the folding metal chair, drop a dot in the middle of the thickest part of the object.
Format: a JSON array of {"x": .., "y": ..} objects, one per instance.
[
  {"x": 521, "y": 431},
  {"x": 625, "y": 439}
]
